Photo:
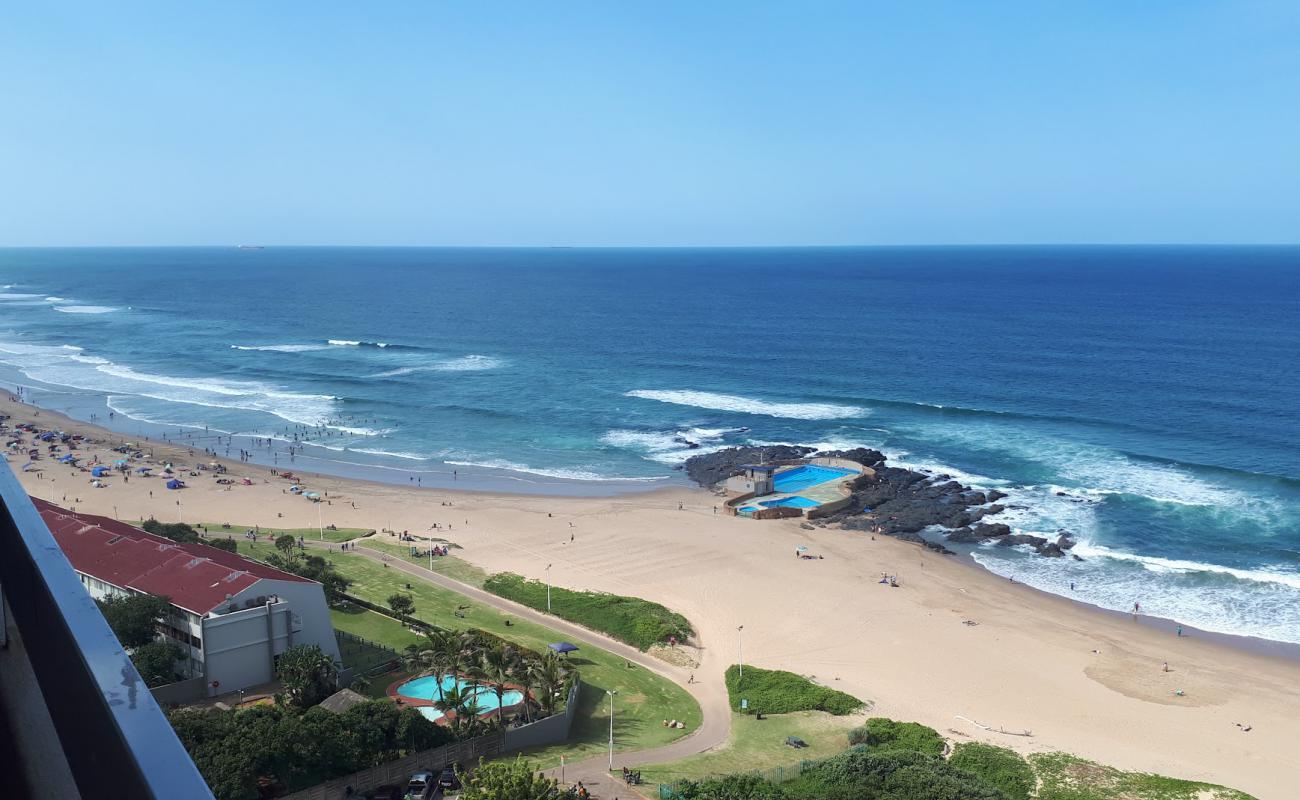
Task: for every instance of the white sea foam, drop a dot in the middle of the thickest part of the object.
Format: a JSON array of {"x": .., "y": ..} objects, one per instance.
[
  {"x": 344, "y": 343},
  {"x": 747, "y": 405},
  {"x": 83, "y": 309},
  {"x": 470, "y": 363},
  {"x": 280, "y": 348},
  {"x": 68, "y": 365},
  {"x": 565, "y": 474},
  {"x": 1180, "y": 566},
  {"x": 17, "y": 295},
  {"x": 389, "y": 453},
  {"x": 668, "y": 447}
]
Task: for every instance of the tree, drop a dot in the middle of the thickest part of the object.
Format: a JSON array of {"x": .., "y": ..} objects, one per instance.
[
  {"x": 223, "y": 544},
  {"x": 176, "y": 531},
  {"x": 401, "y": 604},
  {"x": 156, "y": 662},
  {"x": 506, "y": 780},
  {"x": 549, "y": 676},
  {"x": 285, "y": 543},
  {"x": 134, "y": 617},
  {"x": 498, "y": 668},
  {"x": 307, "y": 674}
]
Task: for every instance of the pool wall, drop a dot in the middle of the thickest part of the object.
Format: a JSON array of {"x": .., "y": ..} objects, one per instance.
[{"x": 844, "y": 492}]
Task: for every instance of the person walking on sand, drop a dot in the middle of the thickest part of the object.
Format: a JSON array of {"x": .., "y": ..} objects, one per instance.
[{"x": 1179, "y": 631}]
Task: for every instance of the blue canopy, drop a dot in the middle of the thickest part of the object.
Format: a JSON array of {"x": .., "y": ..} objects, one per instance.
[
  {"x": 562, "y": 647},
  {"x": 143, "y": 469},
  {"x": 98, "y": 472},
  {"x": 67, "y": 458},
  {"x": 175, "y": 484}
]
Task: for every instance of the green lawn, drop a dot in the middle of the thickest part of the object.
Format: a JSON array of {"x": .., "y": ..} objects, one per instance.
[
  {"x": 455, "y": 568},
  {"x": 644, "y": 699},
  {"x": 759, "y": 745},
  {"x": 312, "y": 534}
]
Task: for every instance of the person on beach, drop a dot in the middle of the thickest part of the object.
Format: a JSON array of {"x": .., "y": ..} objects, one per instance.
[
  {"x": 1179, "y": 631},
  {"x": 1137, "y": 607}
]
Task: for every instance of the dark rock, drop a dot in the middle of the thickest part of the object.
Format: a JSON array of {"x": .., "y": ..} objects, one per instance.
[
  {"x": 1076, "y": 556},
  {"x": 979, "y": 533},
  {"x": 1022, "y": 538},
  {"x": 938, "y": 548},
  {"x": 1065, "y": 541},
  {"x": 711, "y": 469},
  {"x": 994, "y": 495},
  {"x": 862, "y": 455},
  {"x": 1051, "y": 549}
]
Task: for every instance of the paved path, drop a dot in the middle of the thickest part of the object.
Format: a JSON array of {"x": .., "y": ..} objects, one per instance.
[{"x": 710, "y": 693}]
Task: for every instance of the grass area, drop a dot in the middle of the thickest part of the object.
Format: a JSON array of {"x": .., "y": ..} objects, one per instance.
[
  {"x": 637, "y": 622},
  {"x": 458, "y": 569},
  {"x": 1067, "y": 777},
  {"x": 756, "y": 745},
  {"x": 774, "y": 691},
  {"x": 359, "y": 651},
  {"x": 314, "y": 534},
  {"x": 644, "y": 699}
]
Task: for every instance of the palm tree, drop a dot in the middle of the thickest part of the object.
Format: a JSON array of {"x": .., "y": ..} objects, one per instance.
[
  {"x": 441, "y": 647},
  {"x": 496, "y": 667},
  {"x": 549, "y": 675}
]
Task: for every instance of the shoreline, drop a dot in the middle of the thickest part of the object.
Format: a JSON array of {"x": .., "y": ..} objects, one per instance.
[
  {"x": 1084, "y": 682},
  {"x": 1274, "y": 648}
]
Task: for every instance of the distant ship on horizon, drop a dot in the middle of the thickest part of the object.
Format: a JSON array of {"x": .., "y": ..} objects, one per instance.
[{"x": 250, "y": 247}]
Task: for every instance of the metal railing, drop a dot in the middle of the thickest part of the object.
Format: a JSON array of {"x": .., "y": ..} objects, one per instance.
[{"x": 114, "y": 736}]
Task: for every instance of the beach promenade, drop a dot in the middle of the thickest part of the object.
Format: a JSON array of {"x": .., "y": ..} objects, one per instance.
[{"x": 1082, "y": 681}]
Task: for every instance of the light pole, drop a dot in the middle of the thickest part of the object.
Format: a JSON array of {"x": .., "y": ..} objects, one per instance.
[
  {"x": 740, "y": 651},
  {"x": 611, "y": 693},
  {"x": 548, "y": 589}
]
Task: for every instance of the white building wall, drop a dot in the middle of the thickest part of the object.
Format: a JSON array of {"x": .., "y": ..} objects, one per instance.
[
  {"x": 311, "y": 614},
  {"x": 239, "y": 648}
]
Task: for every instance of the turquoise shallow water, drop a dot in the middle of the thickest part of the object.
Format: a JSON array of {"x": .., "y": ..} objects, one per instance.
[
  {"x": 426, "y": 688},
  {"x": 1145, "y": 399}
]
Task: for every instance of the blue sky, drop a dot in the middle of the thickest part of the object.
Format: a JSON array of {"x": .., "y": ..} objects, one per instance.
[{"x": 649, "y": 123}]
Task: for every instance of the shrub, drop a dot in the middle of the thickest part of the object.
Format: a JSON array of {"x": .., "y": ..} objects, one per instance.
[
  {"x": 637, "y": 622},
  {"x": 730, "y": 787},
  {"x": 891, "y": 775},
  {"x": 881, "y": 734},
  {"x": 774, "y": 691},
  {"x": 996, "y": 766}
]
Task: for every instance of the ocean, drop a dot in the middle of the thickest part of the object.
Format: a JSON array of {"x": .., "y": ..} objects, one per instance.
[{"x": 1147, "y": 400}]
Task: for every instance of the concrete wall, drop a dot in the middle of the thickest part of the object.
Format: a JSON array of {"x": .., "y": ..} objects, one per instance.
[
  {"x": 239, "y": 648},
  {"x": 181, "y": 692},
  {"x": 311, "y": 613},
  {"x": 552, "y": 730}
]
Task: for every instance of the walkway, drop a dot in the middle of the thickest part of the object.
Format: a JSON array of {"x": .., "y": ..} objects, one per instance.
[{"x": 710, "y": 693}]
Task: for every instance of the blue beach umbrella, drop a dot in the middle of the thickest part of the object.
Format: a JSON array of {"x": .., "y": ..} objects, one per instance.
[
  {"x": 562, "y": 647},
  {"x": 98, "y": 472}
]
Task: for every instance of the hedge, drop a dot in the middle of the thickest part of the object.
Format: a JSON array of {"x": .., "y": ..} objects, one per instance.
[
  {"x": 774, "y": 691},
  {"x": 631, "y": 620}
]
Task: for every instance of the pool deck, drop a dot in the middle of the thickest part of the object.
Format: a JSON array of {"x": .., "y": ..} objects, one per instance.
[{"x": 832, "y": 490}]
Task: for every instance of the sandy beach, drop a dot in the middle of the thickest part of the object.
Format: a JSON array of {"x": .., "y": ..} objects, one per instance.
[{"x": 1082, "y": 681}]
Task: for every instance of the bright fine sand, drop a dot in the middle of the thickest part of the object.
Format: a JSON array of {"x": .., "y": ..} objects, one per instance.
[{"x": 1081, "y": 680}]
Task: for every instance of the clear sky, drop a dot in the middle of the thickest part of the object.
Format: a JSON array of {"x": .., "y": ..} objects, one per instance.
[{"x": 649, "y": 123}]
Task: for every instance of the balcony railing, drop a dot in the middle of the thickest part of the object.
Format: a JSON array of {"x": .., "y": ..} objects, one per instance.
[{"x": 67, "y": 685}]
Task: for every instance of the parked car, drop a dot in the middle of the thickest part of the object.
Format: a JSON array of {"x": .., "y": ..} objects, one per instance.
[
  {"x": 449, "y": 781},
  {"x": 421, "y": 786}
]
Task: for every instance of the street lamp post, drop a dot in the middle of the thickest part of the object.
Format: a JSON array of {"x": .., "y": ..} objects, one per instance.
[
  {"x": 548, "y": 588},
  {"x": 611, "y": 693},
  {"x": 740, "y": 651}
]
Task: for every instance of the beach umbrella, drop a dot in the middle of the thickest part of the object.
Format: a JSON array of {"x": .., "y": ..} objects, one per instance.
[
  {"x": 143, "y": 469},
  {"x": 99, "y": 471},
  {"x": 562, "y": 647},
  {"x": 175, "y": 484}
]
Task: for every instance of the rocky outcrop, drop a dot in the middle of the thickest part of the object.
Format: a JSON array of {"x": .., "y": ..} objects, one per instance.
[{"x": 710, "y": 469}]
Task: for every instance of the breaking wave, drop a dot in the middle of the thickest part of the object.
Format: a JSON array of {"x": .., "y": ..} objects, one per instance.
[{"x": 747, "y": 405}]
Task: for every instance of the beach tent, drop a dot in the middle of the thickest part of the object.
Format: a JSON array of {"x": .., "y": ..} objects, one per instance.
[
  {"x": 562, "y": 647},
  {"x": 311, "y": 495},
  {"x": 68, "y": 458},
  {"x": 121, "y": 462},
  {"x": 143, "y": 469},
  {"x": 98, "y": 472},
  {"x": 175, "y": 484},
  {"x": 28, "y": 465}
]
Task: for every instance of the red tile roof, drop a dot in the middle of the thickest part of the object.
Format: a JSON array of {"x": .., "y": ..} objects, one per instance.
[{"x": 194, "y": 576}]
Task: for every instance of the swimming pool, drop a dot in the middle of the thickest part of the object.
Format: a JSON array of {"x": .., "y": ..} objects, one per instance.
[
  {"x": 800, "y": 478},
  {"x": 426, "y": 688},
  {"x": 794, "y": 501}
]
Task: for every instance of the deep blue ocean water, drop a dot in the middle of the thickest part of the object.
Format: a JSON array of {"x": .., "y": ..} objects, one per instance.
[{"x": 1145, "y": 399}]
